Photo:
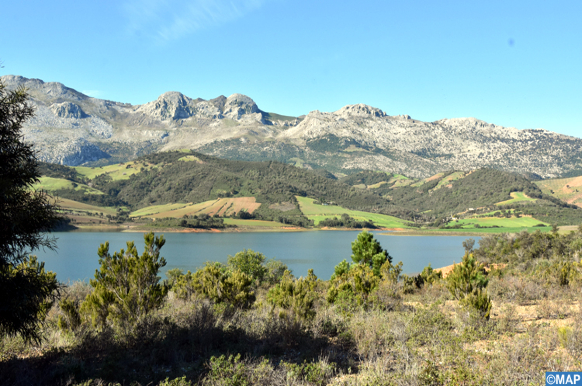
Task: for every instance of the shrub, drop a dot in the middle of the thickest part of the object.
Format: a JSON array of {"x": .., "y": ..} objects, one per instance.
[
  {"x": 316, "y": 373},
  {"x": 223, "y": 286},
  {"x": 430, "y": 276},
  {"x": 248, "y": 262},
  {"x": 465, "y": 277},
  {"x": 71, "y": 319},
  {"x": 297, "y": 295},
  {"x": 560, "y": 272},
  {"x": 127, "y": 288},
  {"x": 478, "y": 300},
  {"x": 466, "y": 283},
  {"x": 35, "y": 292},
  {"x": 353, "y": 287},
  {"x": 176, "y": 382},
  {"x": 275, "y": 271}
]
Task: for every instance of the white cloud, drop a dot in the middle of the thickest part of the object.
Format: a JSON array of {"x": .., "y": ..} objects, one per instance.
[{"x": 165, "y": 20}]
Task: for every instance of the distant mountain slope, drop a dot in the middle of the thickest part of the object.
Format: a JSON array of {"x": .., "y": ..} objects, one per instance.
[
  {"x": 453, "y": 194},
  {"x": 72, "y": 128},
  {"x": 186, "y": 177}
]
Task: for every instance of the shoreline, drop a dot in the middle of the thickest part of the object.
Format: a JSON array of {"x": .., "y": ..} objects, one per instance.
[{"x": 250, "y": 229}]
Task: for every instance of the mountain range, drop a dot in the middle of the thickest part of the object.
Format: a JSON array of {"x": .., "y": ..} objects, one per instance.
[{"x": 71, "y": 128}]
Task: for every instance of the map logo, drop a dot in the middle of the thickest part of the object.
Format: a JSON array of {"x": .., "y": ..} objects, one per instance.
[{"x": 563, "y": 378}]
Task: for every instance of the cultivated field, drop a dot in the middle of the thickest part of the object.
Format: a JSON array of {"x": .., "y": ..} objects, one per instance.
[
  {"x": 448, "y": 179},
  {"x": 516, "y": 197},
  {"x": 155, "y": 209},
  {"x": 67, "y": 204},
  {"x": 120, "y": 171},
  {"x": 566, "y": 189},
  {"x": 254, "y": 223},
  {"x": 50, "y": 184},
  {"x": 512, "y": 222},
  {"x": 221, "y": 206},
  {"x": 318, "y": 213}
]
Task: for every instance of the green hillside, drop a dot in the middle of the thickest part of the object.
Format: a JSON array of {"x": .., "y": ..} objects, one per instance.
[{"x": 184, "y": 183}]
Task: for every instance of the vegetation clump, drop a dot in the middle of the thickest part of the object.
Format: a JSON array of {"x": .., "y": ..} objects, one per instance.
[
  {"x": 126, "y": 287},
  {"x": 251, "y": 322}
]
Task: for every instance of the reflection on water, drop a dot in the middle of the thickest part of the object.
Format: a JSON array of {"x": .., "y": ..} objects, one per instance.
[{"x": 76, "y": 257}]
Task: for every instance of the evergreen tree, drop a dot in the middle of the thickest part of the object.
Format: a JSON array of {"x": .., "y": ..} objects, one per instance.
[
  {"x": 25, "y": 217},
  {"x": 367, "y": 250},
  {"x": 127, "y": 286}
]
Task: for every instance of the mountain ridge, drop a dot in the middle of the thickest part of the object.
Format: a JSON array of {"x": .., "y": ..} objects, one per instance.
[{"x": 72, "y": 128}]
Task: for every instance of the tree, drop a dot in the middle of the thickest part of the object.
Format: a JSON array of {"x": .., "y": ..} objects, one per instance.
[
  {"x": 467, "y": 282},
  {"x": 468, "y": 245},
  {"x": 367, "y": 250},
  {"x": 127, "y": 286},
  {"x": 25, "y": 217},
  {"x": 250, "y": 263}
]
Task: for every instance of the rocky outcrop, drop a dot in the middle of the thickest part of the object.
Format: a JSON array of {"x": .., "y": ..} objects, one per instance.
[
  {"x": 169, "y": 106},
  {"x": 68, "y": 110},
  {"x": 72, "y": 128}
]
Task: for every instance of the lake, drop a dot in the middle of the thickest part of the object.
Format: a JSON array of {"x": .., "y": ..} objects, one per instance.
[{"x": 76, "y": 257}]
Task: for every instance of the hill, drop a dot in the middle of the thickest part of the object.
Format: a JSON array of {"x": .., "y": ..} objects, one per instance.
[
  {"x": 454, "y": 195},
  {"x": 565, "y": 189},
  {"x": 71, "y": 128},
  {"x": 185, "y": 183}
]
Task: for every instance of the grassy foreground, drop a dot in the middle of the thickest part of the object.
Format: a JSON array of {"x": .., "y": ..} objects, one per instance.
[{"x": 289, "y": 331}]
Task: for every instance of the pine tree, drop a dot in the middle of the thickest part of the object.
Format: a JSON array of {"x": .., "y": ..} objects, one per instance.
[
  {"x": 367, "y": 250},
  {"x": 25, "y": 217},
  {"x": 127, "y": 286}
]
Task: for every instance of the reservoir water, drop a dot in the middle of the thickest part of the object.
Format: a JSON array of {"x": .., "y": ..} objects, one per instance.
[{"x": 76, "y": 256}]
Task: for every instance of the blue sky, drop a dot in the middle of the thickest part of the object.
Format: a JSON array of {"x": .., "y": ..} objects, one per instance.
[{"x": 512, "y": 63}]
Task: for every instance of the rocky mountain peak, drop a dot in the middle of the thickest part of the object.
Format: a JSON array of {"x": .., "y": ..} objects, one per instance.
[
  {"x": 46, "y": 91},
  {"x": 238, "y": 105},
  {"x": 360, "y": 110},
  {"x": 71, "y": 128},
  {"x": 218, "y": 102},
  {"x": 169, "y": 106}
]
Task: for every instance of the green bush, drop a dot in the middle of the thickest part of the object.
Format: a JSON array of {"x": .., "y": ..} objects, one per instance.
[
  {"x": 430, "y": 276},
  {"x": 182, "y": 381},
  {"x": 465, "y": 277},
  {"x": 32, "y": 294},
  {"x": 297, "y": 295},
  {"x": 71, "y": 319},
  {"x": 229, "y": 371},
  {"x": 220, "y": 285},
  {"x": 561, "y": 272},
  {"x": 467, "y": 282},
  {"x": 275, "y": 271},
  {"x": 248, "y": 262},
  {"x": 478, "y": 300},
  {"x": 318, "y": 373},
  {"x": 354, "y": 287},
  {"x": 126, "y": 287}
]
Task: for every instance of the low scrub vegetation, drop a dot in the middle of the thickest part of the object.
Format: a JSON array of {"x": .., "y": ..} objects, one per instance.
[{"x": 506, "y": 314}]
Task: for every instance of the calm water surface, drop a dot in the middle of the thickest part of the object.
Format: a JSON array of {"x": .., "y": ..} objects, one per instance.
[{"x": 76, "y": 257}]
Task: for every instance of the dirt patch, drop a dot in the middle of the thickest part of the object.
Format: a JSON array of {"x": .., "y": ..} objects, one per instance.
[
  {"x": 576, "y": 181},
  {"x": 436, "y": 176},
  {"x": 447, "y": 270},
  {"x": 575, "y": 198}
]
